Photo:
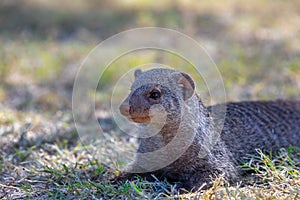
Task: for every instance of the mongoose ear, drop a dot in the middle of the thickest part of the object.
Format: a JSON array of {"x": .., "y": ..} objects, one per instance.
[
  {"x": 187, "y": 83},
  {"x": 137, "y": 73}
]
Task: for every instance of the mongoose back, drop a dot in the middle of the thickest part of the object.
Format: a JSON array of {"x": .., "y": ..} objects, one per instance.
[{"x": 249, "y": 125}]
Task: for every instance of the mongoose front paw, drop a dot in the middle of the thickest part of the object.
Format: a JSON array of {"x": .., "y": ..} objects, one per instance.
[
  {"x": 129, "y": 176},
  {"x": 123, "y": 177}
]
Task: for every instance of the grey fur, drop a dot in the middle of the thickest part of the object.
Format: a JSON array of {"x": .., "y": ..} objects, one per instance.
[{"x": 267, "y": 125}]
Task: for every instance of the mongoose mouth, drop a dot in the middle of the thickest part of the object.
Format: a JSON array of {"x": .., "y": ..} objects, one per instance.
[
  {"x": 126, "y": 111},
  {"x": 139, "y": 119}
]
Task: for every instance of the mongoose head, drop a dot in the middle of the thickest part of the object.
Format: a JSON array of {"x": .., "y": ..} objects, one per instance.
[{"x": 157, "y": 94}]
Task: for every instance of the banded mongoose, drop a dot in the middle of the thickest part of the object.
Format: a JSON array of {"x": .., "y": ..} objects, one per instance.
[{"x": 248, "y": 125}]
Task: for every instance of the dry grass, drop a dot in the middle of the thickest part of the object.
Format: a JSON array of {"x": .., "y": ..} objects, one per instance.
[
  {"x": 254, "y": 44},
  {"x": 40, "y": 163}
]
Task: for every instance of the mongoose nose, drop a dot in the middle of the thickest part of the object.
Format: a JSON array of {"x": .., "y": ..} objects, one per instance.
[{"x": 124, "y": 109}]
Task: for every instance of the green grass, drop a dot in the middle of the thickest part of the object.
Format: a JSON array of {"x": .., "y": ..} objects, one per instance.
[
  {"x": 255, "y": 46},
  {"x": 58, "y": 174}
]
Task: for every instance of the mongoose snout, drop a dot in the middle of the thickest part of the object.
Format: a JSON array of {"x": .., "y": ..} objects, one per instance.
[{"x": 125, "y": 109}]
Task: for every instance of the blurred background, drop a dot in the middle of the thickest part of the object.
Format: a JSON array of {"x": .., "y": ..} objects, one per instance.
[{"x": 255, "y": 44}]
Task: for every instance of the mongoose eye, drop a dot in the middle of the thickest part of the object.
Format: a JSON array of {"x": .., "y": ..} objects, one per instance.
[{"x": 154, "y": 95}]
